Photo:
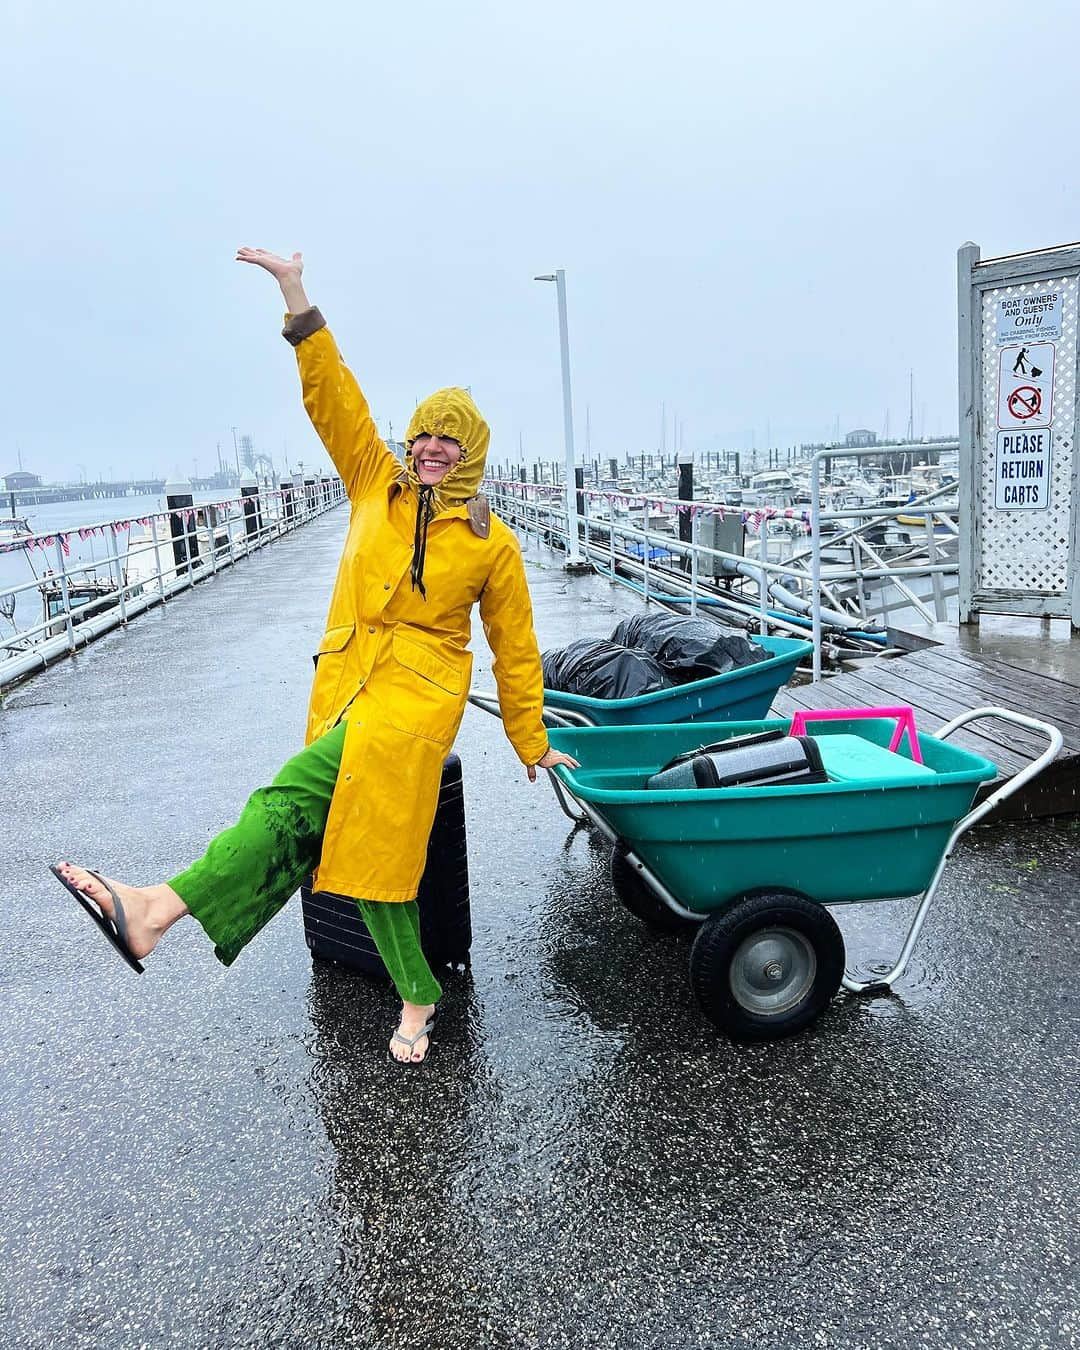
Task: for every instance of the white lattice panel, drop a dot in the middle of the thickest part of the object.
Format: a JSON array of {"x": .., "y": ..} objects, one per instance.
[{"x": 1027, "y": 550}]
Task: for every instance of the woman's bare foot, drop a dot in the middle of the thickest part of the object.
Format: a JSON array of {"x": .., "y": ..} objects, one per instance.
[
  {"x": 149, "y": 910},
  {"x": 413, "y": 1017}
]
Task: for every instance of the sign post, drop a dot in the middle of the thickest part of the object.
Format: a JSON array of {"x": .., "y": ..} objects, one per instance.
[{"x": 1019, "y": 478}]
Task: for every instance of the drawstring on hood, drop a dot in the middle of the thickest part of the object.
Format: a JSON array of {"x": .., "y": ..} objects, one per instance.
[
  {"x": 453, "y": 414},
  {"x": 425, "y": 509}
]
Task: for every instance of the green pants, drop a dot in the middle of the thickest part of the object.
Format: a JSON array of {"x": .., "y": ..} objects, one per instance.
[{"x": 251, "y": 870}]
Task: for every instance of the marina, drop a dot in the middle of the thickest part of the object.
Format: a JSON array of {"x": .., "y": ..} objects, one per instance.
[{"x": 728, "y": 528}]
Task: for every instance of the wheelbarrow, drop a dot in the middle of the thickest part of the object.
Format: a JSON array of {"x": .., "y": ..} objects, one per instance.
[
  {"x": 754, "y": 867},
  {"x": 739, "y": 694}
]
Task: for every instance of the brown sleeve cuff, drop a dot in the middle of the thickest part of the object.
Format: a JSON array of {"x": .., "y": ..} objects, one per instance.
[{"x": 301, "y": 326}]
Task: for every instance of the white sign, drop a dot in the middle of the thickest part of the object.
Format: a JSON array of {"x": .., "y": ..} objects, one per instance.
[
  {"x": 1035, "y": 317},
  {"x": 1026, "y": 385},
  {"x": 1022, "y": 471}
]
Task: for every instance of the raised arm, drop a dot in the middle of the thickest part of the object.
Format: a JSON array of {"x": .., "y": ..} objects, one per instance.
[{"x": 333, "y": 399}]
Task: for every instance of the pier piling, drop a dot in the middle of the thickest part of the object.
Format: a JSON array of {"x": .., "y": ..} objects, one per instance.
[
  {"x": 185, "y": 542},
  {"x": 249, "y": 491},
  {"x": 686, "y": 494}
]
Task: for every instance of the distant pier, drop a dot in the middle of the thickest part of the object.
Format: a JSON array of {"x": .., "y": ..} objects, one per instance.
[{"x": 22, "y": 498}]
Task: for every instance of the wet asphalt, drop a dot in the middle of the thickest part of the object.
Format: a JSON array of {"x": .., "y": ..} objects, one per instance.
[{"x": 202, "y": 1157}]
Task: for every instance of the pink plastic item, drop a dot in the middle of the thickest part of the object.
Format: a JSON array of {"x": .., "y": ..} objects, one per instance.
[{"x": 905, "y": 723}]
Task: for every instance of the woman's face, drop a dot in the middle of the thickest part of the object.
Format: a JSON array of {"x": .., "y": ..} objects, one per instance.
[{"x": 434, "y": 457}]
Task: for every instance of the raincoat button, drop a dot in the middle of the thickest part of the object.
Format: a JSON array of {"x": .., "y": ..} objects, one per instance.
[
  {"x": 386, "y": 585},
  {"x": 371, "y": 630}
]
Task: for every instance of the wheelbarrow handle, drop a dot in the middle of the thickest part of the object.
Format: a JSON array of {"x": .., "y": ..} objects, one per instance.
[
  {"x": 1055, "y": 742},
  {"x": 995, "y": 799},
  {"x": 489, "y": 703},
  {"x": 553, "y": 717}
]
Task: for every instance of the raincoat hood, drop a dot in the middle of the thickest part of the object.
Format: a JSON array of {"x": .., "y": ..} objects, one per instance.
[{"x": 452, "y": 413}]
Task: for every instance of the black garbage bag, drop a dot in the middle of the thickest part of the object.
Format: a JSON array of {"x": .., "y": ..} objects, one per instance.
[
  {"x": 601, "y": 669},
  {"x": 688, "y": 649}
]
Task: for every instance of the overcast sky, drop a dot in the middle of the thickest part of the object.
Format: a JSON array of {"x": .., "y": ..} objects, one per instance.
[{"x": 758, "y": 208}]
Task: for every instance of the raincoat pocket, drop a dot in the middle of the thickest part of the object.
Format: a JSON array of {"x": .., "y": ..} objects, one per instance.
[
  {"x": 426, "y": 692},
  {"x": 331, "y": 662}
]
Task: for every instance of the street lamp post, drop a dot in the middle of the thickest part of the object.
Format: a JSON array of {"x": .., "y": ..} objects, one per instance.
[{"x": 574, "y": 560}]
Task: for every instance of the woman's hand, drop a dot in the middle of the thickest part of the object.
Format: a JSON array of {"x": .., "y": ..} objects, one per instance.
[
  {"x": 277, "y": 266},
  {"x": 551, "y": 758},
  {"x": 288, "y": 272}
]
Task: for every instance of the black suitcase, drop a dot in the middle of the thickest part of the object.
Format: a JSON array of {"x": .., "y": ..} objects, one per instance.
[{"x": 335, "y": 931}]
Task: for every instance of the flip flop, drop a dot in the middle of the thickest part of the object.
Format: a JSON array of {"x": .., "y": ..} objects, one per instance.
[
  {"x": 116, "y": 931},
  {"x": 410, "y": 1041}
]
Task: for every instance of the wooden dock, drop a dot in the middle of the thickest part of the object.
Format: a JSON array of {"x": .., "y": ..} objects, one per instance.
[{"x": 939, "y": 682}]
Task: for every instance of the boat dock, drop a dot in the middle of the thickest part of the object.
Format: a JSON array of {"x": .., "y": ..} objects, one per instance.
[
  {"x": 948, "y": 669},
  {"x": 202, "y": 1157}
]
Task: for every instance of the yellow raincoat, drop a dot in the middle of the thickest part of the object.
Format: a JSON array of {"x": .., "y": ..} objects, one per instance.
[{"x": 395, "y": 664}]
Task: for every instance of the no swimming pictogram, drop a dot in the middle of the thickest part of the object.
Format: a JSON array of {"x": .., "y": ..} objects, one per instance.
[{"x": 1025, "y": 403}]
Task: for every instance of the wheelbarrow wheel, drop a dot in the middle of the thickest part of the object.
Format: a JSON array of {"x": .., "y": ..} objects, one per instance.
[
  {"x": 767, "y": 965},
  {"x": 639, "y": 897}
]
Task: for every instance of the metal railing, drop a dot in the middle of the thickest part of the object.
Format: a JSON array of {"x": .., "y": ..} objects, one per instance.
[
  {"x": 822, "y": 600},
  {"x": 932, "y": 568},
  {"x": 179, "y": 548}
]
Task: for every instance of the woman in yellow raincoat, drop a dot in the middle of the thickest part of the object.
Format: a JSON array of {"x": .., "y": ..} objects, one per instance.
[{"x": 391, "y": 680}]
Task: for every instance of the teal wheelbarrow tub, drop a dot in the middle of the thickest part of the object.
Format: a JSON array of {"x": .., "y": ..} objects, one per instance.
[{"x": 735, "y": 696}]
